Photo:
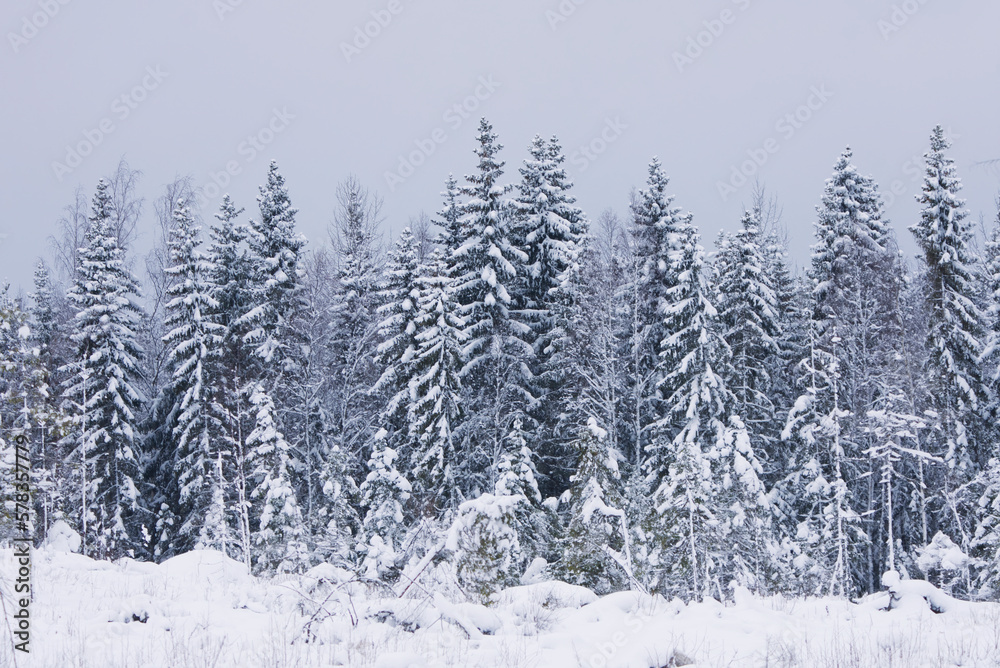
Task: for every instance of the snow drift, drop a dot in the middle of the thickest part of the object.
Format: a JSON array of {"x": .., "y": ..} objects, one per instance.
[{"x": 204, "y": 609}]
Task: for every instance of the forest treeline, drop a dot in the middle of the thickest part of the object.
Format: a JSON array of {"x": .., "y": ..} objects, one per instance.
[{"x": 513, "y": 387}]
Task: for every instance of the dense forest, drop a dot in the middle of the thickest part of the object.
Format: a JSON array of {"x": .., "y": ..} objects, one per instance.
[{"x": 514, "y": 387}]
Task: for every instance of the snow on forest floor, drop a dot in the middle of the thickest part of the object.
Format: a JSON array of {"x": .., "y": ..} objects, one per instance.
[{"x": 202, "y": 610}]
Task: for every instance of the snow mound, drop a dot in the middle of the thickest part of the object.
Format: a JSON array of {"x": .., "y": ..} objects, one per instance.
[
  {"x": 918, "y": 595},
  {"x": 61, "y": 538},
  {"x": 206, "y": 565},
  {"x": 399, "y": 660},
  {"x": 203, "y": 609},
  {"x": 553, "y": 595},
  {"x": 536, "y": 572}
]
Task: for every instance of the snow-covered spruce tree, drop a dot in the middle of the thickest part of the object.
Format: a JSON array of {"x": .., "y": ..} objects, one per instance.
[
  {"x": 25, "y": 413},
  {"x": 955, "y": 326},
  {"x": 280, "y": 538},
  {"x": 275, "y": 259},
  {"x": 436, "y": 391},
  {"x": 356, "y": 324},
  {"x": 450, "y": 218},
  {"x": 795, "y": 309},
  {"x": 708, "y": 495},
  {"x": 383, "y": 494},
  {"x": 275, "y": 253},
  {"x": 536, "y": 524},
  {"x": 496, "y": 374},
  {"x": 154, "y": 328},
  {"x": 101, "y": 392},
  {"x": 484, "y": 545},
  {"x": 814, "y": 496},
  {"x": 496, "y": 535},
  {"x": 14, "y": 333},
  {"x": 855, "y": 282},
  {"x": 955, "y": 330},
  {"x": 550, "y": 228},
  {"x": 596, "y": 550},
  {"x": 986, "y": 538},
  {"x": 326, "y": 489},
  {"x": 397, "y": 345},
  {"x": 895, "y": 429},
  {"x": 748, "y": 315},
  {"x": 49, "y": 341},
  {"x": 43, "y": 311},
  {"x": 194, "y": 340},
  {"x": 655, "y": 226},
  {"x": 589, "y": 348},
  {"x": 515, "y": 472},
  {"x": 232, "y": 277}
]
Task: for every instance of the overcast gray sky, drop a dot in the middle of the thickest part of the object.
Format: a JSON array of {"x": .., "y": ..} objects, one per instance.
[{"x": 330, "y": 89}]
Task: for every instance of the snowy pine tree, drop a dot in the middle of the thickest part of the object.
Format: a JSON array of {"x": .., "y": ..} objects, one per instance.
[
  {"x": 436, "y": 391},
  {"x": 280, "y": 538},
  {"x": 986, "y": 539},
  {"x": 856, "y": 343},
  {"x": 232, "y": 276},
  {"x": 551, "y": 229},
  {"x": 955, "y": 330},
  {"x": 705, "y": 473},
  {"x": 485, "y": 267},
  {"x": 955, "y": 324},
  {"x": 817, "y": 501},
  {"x": 275, "y": 252},
  {"x": 194, "y": 340},
  {"x": 450, "y": 218},
  {"x": 43, "y": 312},
  {"x": 895, "y": 430},
  {"x": 383, "y": 494},
  {"x": 356, "y": 322},
  {"x": 596, "y": 550},
  {"x": 655, "y": 226},
  {"x": 748, "y": 314},
  {"x": 101, "y": 390},
  {"x": 397, "y": 327},
  {"x": 49, "y": 340}
]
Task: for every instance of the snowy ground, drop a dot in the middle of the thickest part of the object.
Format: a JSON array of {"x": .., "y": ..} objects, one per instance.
[{"x": 202, "y": 610}]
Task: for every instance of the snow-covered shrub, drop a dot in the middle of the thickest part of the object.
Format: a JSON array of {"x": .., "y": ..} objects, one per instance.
[
  {"x": 943, "y": 562},
  {"x": 596, "y": 548},
  {"x": 485, "y": 546},
  {"x": 383, "y": 493},
  {"x": 916, "y": 594}
]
